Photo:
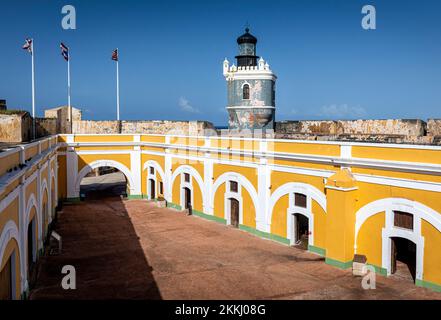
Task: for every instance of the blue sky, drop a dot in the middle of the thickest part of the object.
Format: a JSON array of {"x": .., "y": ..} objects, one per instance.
[{"x": 171, "y": 55}]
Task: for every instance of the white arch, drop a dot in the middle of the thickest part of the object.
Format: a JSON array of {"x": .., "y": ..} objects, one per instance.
[
  {"x": 157, "y": 166},
  {"x": 243, "y": 181},
  {"x": 104, "y": 163},
  {"x": 397, "y": 204},
  {"x": 54, "y": 185},
  {"x": 10, "y": 231},
  {"x": 32, "y": 202},
  {"x": 389, "y": 205},
  {"x": 42, "y": 189},
  {"x": 195, "y": 174},
  {"x": 295, "y": 187}
]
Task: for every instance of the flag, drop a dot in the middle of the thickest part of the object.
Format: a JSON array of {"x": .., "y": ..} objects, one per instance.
[
  {"x": 115, "y": 55},
  {"x": 28, "y": 45},
  {"x": 64, "y": 51}
]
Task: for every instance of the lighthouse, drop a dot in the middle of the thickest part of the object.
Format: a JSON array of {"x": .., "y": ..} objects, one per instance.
[{"x": 251, "y": 88}]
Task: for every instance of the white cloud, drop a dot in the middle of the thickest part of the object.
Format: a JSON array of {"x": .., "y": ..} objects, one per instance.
[
  {"x": 186, "y": 106},
  {"x": 342, "y": 111}
]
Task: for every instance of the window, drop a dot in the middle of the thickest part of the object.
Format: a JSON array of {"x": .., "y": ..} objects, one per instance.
[
  {"x": 246, "y": 91},
  {"x": 161, "y": 187},
  {"x": 403, "y": 220},
  {"x": 152, "y": 170},
  {"x": 233, "y": 186},
  {"x": 300, "y": 200},
  {"x": 186, "y": 177}
]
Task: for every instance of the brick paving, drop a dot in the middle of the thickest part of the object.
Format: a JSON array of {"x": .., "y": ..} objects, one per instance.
[{"x": 134, "y": 250}]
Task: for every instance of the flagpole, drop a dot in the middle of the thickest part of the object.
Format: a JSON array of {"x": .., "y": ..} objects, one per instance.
[
  {"x": 33, "y": 90},
  {"x": 117, "y": 85},
  {"x": 68, "y": 92}
]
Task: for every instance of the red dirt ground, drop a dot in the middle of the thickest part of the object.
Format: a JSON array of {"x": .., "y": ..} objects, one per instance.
[{"x": 134, "y": 250}]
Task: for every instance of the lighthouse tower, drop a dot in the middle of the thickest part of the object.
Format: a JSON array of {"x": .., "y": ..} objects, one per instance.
[{"x": 251, "y": 88}]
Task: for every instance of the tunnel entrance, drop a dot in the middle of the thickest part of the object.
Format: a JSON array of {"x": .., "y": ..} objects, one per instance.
[
  {"x": 104, "y": 182},
  {"x": 403, "y": 259},
  {"x": 301, "y": 231}
]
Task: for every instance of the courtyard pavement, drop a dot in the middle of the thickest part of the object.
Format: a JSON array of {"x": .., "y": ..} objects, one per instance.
[{"x": 134, "y": 250}]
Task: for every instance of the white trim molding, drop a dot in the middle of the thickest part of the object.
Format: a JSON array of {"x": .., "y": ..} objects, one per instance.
[
  {"x": 103, "y": 163},
  {"x": 242, "y": 182},
  {"x": 389, "y": 205},
  {"x": 193, "y": 174},
  {"x": 296, "y": 187}
]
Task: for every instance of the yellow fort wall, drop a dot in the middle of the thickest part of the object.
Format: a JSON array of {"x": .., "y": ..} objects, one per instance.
[{"x": 318, "y": 165}]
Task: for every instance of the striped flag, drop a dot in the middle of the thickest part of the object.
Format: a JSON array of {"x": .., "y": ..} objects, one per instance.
[
  {"x": 64, "y": 51},
  {"x": 115, "y": 55},
  {"x": 28, "y": 45}
]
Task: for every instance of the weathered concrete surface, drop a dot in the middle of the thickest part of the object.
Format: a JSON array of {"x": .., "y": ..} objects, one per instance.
[
  {"x": 412, "y": 131},
  {"x": 141, "y": 127},
  {"x": 434, "y": 127},
  {"x": 134, "y": 250},
  {"x": 367, "y": 127},
  {"x": 15, "y": 127}
]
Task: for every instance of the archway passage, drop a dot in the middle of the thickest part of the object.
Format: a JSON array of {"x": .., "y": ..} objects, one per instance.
[
  {"x": 234, "y": 213},
  {"x": 187, "y": 200},
  {"x": 31, "y": 246},
  {"x": 104, "y": 182},
  {"x": 301, "y": 231},
  {"x": 403, "y": 258},
  {"x": 6, "y": 281},
  {"x": 152, "y": 188}
]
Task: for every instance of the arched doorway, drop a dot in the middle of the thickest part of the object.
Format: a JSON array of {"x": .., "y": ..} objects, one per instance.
[
  {"x": 152, "y": 189},
  {"x": 31, "y": 247},
  {"x": 234, "y": 212},
  {"x": 403, "y": 258},
  {"x": 187, "y": 200},
  {"x": 300, "y": 231},
  {"x": 104, "y": 182},
  {"x": 6, "y": 281},
  {"x": 44, "y": 219}
]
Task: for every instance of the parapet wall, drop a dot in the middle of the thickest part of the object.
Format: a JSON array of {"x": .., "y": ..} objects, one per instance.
[
  {"x": 383, "y": 127},
  {"x": 141, "y": 127},
  {"x": 390, "y": 130}
]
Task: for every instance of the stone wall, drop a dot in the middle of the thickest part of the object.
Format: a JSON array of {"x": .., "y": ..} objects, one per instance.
[
  {"x": 434, "y": 127},
  {"x": 15, "y": 127},
  {"x": 400, "y": 127},
  {"x": 142, "y": 127},
  {"x": 46, "y": 126}
]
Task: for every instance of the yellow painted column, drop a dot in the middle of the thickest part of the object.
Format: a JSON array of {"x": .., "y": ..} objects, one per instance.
[{"x": 341, "y": 194}]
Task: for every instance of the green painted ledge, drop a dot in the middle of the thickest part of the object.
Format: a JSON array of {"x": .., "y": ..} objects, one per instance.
[
  {"x": 73, "y": 200},
  {"x": 209, "y": 217},
  {"x": 173, "y": 205},
  {"x": 379, "y": 270},
  {"x": 317, "y": 250},
  {"x": 136, "y": 196},
  {"x": 265, "y": 235},
  {"x": 338, "y": 264},
  {"x": 428, "y": 285}
]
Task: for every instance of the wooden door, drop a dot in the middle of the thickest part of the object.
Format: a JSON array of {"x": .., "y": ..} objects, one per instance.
[
  {"x": 152, "y": 189},
  {"x": 394, "y": 252},
  {"x": 234, "y": 212},
  {"x": 188, "y": 200},
  {"x": 6, "y": 281},
  {"x": 30, "y": 246}
]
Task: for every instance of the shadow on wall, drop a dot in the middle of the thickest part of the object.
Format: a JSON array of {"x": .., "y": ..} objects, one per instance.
[{"x": 100, "y": 241}]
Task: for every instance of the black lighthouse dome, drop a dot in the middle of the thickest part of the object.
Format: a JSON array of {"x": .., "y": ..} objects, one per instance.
[
  {"x": 247, "y": 50},
  {"x": 247, "y": 37}
]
